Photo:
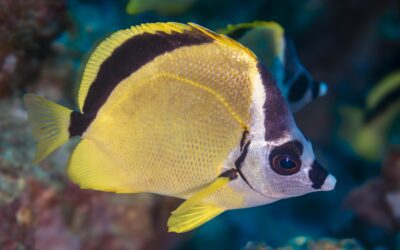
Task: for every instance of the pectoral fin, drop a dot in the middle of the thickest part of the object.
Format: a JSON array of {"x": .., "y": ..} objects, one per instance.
[{"x": 194, "y": 212}]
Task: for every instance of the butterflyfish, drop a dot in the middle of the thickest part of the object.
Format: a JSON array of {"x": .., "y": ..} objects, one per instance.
[
  {"x": 367, "y": 129},
  {"x": 268, "y": 41},
  {"x": 178, "y": 110}
]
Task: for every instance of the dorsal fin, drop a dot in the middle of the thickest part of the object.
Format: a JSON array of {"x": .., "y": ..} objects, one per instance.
[
  {"x": 110, "y": 44},
  {"x": 383, "y": 88},
  {"x": 106, "y": 47},
  {"x": 223, "y": 39},
  {"x": 382, "y": 98}
]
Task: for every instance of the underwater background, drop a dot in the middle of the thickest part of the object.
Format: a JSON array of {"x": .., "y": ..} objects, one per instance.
[{"x": 351, "y": 45}]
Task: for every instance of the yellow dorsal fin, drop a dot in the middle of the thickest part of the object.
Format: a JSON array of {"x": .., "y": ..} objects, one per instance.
[
  {"x": 388, "y": 84},
  {"x": 223, "y": 39},
  {"x": 254, "y": 24},
  {"x": 106, "y": 47},
  {"x": 194, "y": 212}
]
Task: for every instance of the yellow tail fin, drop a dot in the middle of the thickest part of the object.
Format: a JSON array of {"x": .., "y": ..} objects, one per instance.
[{"x": 49, "y": 121}]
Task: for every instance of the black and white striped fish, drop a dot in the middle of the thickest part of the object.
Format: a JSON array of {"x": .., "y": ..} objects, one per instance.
[{"x": 268, "y": 41}]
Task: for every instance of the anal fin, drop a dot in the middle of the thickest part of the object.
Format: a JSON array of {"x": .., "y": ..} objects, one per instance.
[
  {"x": 194, "y": 212},
  {"x": 92, "y": 168},
  {"x": 192, "y": 217}
]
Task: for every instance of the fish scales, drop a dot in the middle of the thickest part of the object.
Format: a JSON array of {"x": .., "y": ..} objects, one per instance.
[{"x": 152, "y": 111}]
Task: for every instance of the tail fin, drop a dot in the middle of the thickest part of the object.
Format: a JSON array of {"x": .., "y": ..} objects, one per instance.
[{"x": 50, "y": 122}]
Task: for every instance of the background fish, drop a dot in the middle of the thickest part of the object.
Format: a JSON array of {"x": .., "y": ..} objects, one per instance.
[
  {"x": 162, "y": 7},
  {"x": 178, "y": 110},
  {"x": 366, "y": 129},
  {"x": 268, "y": 41}
]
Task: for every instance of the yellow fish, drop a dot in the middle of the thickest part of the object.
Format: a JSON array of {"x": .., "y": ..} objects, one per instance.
[
  {"x": 181, "y": 111},
  {"x": 368, "y": 130},
  {"x": 161, "y": 7}
]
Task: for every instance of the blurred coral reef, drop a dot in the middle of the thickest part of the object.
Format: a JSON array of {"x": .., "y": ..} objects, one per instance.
[
  {"x": 306, "y": 243},
  {"x": 27, "y": 30},
  {"x": 348, "y": 44},
  {"x": 378, "y": 200}
]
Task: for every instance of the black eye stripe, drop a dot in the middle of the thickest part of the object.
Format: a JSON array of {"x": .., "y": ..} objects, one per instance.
[
  {"x": 317, "y": 175},
  {"x": 294, "y": 146}
]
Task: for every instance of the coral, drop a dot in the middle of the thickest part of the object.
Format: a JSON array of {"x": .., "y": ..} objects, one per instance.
[
  {"x": 27, "y": 29},
  {"x": 368, "y": 202},
  {"x": 378, "y": 200},
  {"x": 307, "y": 243},
  {"x": 391, "y": 176},
  {"x": 49, "y": 216},
  {"x": 16, "y": 150},
  {"x": 257, "y": 246},
  {"x": 391, "y": 170}
]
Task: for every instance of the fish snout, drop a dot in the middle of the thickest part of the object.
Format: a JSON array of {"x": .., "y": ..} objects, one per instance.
[
  {"x": 329, "y": 183},
  {"x": 320, "y": 178}
]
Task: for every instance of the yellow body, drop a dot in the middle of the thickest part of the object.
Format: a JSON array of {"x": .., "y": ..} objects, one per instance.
[{"x": 173, "y": 123}]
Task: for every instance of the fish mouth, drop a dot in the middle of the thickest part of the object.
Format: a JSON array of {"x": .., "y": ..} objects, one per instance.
[{"x": 329, "y": 183}]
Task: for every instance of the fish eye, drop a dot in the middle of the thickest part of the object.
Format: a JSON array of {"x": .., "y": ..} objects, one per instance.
[{"x": 285, "y": 163}]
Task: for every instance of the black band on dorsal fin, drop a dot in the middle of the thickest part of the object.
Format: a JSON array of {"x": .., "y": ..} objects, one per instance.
[
  {"x": 124, "y": 60},
  {"x": 79, "y": 123},
  {"x": 132, "y": 55}
]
